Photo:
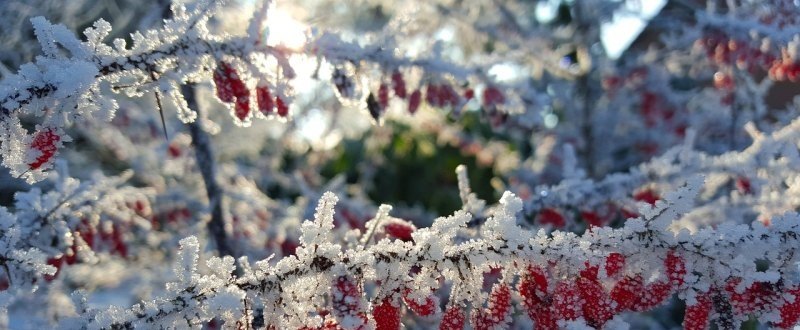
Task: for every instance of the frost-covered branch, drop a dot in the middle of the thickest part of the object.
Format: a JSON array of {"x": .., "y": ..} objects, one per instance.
[{"x": 721, "y": 261}]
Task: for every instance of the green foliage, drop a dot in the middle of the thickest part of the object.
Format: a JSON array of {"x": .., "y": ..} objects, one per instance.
[{"x": 411, "y": 169}]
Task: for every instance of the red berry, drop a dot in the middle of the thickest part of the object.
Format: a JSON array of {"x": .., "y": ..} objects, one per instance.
[
  {"x": 383, "y": 95},
  {"x": 626, "y": 292},
  {"x": 498, "y": 311},
  {"x": 242, "y": 108},
  {"x": 222, "y": 84},
  {"x": 551, "y": 217},
  {"x": 697, "y": 315},
  {"x": 535, "y": 299},
  {"x": 283, "y": 108},
  {"x": 174, "y": 150},
  {"x": 646, "y": 195},
  {"x": 597, "y": 306},
  {"x": 45, "y": 142},
  {"x": 453, "y": 318},
  {"x": 628, "y": 214},
  {"x": 533, "y": 286},
  {"x": 589, "y": 271},
  {"x": 264, "y": 100},
  {"x": 676, "y": 268},
  {"x": 413, "y": 101},
  {"x": 723, "y": 81},
  {"x": 398, "y": 84},
  {"x": 346, "y": 301},
  {"x": 400, "y": 230},
  {"x": 469, "y": 94},
  {"x": 757, "y": 298},
  {"x": 743, "y": 185},
  {"x": 57, "y": 263},
  {"x": 614, "y": 263},
  {"x": 432, "y": 95},
  {"x": 492, "y": 96},
  {"x": 653, "y": 295},
  {"x": 567, "y": 302},
  {"x": 386, "y": 315},
  {"x": 429, "y": 307},
  {"x": 790, "y": 310},
  {"x": 592, "y": 218},
  {"x": 228, "y": 84},
  {"x": 448, "y": 96}
]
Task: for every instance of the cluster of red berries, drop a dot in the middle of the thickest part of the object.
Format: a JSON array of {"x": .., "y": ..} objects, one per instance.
[
  {"x": 346, "y": 303},
  {"x": 112, "y": 241},
  {"x": 586, "y": 295},
  {"x": 601, "y": 217},
  {"x": 787, "y": 68},
  {"x": 230, "y": 88},
  {"x": 726, "y": 51},
  {"x": 170, "y": 216},
  {"x": 731, "y": 305},
  {"x": 654, "y": 108},
  {"x": 436, "y": 94},
  {"x": 45, "y": 141}
]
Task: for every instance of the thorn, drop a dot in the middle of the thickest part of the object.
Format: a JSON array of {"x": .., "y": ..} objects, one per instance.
[{"x": 161, "y": 113}]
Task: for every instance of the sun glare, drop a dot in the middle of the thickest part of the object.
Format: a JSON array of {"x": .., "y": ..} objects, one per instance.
[{"x": 284, "y": 30}]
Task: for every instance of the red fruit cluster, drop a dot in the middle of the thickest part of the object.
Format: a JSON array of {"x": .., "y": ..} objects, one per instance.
[
  {"x": 756, "y": 299},
  {"x": 86, "y": 232},
  {"x": 493, "y": 97},
  {"x": 45, "y": 142},
  {"x": 787, "y": 68},
  {"x": 171, "y": 216},
  {"x": 723, "y": 50},
  {"x": 113, "y": 242},
  {"x": 231, "y": 89},
  {"x": 585, "y": 296},
  {"x": 732, "y": 303},
  {"x": 655, "y": 110},
  {"x": 442, "y": 95}
]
